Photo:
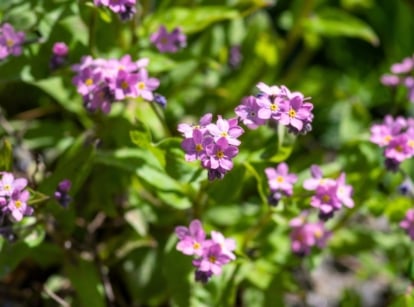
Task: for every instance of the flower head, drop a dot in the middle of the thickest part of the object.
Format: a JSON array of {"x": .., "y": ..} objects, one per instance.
[{"x": 169, "y": 42}]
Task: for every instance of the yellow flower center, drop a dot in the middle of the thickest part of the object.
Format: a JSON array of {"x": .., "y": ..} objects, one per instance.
[
  {"x": 224, "y": 134},
  {"x": 7, "y": 187},
  {"x": 18, "y": 204},
  {"x": 411, "y": 143},
  {"x": 326, "y": 198},
  {"x": 318, "y": 233},
  {"x": 274, "y": 107},
  {"x": 124, "y": 85},
  {"x": 9, "y": 42},
  {"x": 141, "y": 85},
  {"x": 220, "y": 154},
  {"x": 212, "y": 259},
  {"x": 196, "y": 245},
  {"x": 89, "y": 82},
  {"x": 280, "y": 179},
  {"x": 292, "y": 113},
  {"x": 198, "y": 147},
  {"x": 387, "y": 138},
  {"x": 399, "y": 148}
]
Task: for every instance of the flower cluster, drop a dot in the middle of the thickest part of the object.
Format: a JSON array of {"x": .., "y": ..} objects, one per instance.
[
  {"x": 101, "y": 82},
  {"x": 397, "y": 138},
  {"x": 10, "y": 41},
  {"x": 59, "y": 55},
  {"x": 211, "y": 254},
  {"x": 169, "y": 42},
  {"x": 304, "y": 235},
  {"x": 280, "y": 182},
  {"x": 124, "y": 8},
  {"x": 14, "y": 197},
  {"x": 214, "y": 144},
  {"x": 330, "y": 195},
  {"x": 277, "y": 104},
  {"x": 401, "y": 74},
  {"x": 408, "y": 223}
]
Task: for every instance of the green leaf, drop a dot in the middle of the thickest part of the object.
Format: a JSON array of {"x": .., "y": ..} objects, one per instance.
[
  {"x": 191, "y": 20},
  {"x": 335, "y": 22},
  {"x": 6, "y": 155},
  {"x": 85, "y": 279}
]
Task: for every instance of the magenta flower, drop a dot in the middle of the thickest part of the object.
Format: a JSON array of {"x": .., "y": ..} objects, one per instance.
[
  {"x": 9, "y": 185},
  {"x": 87, "y": 81},
  {"x": 18, "y": 206},
  {"x": 60, "y": 49},
  {"x": 344, "y": 191},
  {"x": 62, "y": 192},
  {"x": 192, "y": 239},
  {"x": 279, "y": 179},
  {"x": 124, "y": 85},
  {"x": 270, "y": 91},
  {"x": 399, "y": 149},
  {"x": 317, "y": 179},
  {"x": 270, "y": 107},
  {"x": 11, "y": 42},
  {"x": 169, "y": 42},
  {"x": 124, "y": 8},
  {"x": 248, "y": 111},
  {"x": 187, "y": 130},
  {"x": 408, "y": 223}
]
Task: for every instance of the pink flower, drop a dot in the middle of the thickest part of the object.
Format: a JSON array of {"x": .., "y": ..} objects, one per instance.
[
  {"x": 169, "y": 41},
  {"x": 279, "y": 179}
]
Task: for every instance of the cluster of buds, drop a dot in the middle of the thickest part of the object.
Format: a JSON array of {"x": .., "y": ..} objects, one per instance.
[
  {"x": 277, "y": 104},
  {"x": 11, "y": 41},
  {"x": 211, "y": 254},
  {"x": 102, "y": 82},
  {"x": 330, "y": 195},
  {"x": 305, "y": 235},
  {"x": 169, "y": 42},
  {"x": 214, "y": 144},
  {"x": 14, "y": 197},
  {"x": 397, "y": 138},
  {"x": 280, "y": 182},
  {"x": 126, "y": 9},
  {"x": 62, "y": 193},
  {"x": 401, "y": 74}
]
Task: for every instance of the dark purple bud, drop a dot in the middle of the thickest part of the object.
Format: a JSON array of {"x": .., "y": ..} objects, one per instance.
[
  {"x": 407, "y": 187},
  {"x": 325, "y": 216},
  {"x": 128, "y": 14},
  {"x": 274, "y": 198},
  {"x": 203, "y": 277},
  {"x": 214, "y": 174},
  {"x": 161, "y": 100},
  {"x": 65, "y": 185},
  {"x": 392, "y": 165},
  {"x": 61, "y": 193}
]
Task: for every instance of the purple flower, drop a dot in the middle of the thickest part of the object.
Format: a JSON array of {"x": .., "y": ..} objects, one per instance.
[
  {"x": 408, "y": 223},
  {"x": 399, "y": 149},
  {"x": 219, "y": 155},
  {"x": 296, "y": 113},
  {"x": 9, "y": 185},
  {"x": 195, "y": 146},
  {"x": 326, "y": 200},
  {"x": 406, "y": 66},
  {"x": 61, "y": 193},
  {"x": 192, "y": 239},
  {"x": 227, "y": 245},
  {"x": 248, "y": 111},
  {"x": 87, "y": 80},
  {"x": 187, "y": 130},
  {"x": 317, "y": 179},
  {"x": 401, "y": 75},
  {"x": 145, "y": 85},
  {"x": 211, "y": 260},
  {"x": 169, "y": 42},
  {"x": 125, "y": 8},
  {"x": 269, "y": 107},
  {"x": 305, "y": 235},
  {"x": 124, "y": 85},
  {"x": 390, "y": 80},
  {"x": 344, "y": 191},
  {"x": 10, "y": 41},
  {"x": 227, "y": 129},
  {"x": 18, "y": 206},
  {"x": 279, "y": 179},
  {"x": 235, "y": 56}
]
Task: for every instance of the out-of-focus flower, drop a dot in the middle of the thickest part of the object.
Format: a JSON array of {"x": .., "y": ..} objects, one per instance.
[
  {"x": 280, "y": 179},
  {"x": 59, "y": 55},
  {"x": 169, "y": 42},
  {"x": 102, "y": 82},
  {"x": 305, "y": 235},
  {"x": 235, "y": 56},
  {"x": 62, "y": 192},
  {"x": 124, "y": 8},
  {"x": 11, "y": 41},
  {"x": 408, "y": 223},
  {"x": 401, "y": 75}
]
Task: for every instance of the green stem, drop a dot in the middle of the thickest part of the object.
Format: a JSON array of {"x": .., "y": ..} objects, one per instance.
[
  {"x": 91, "y": 38},
  {"x": 161, "y": 119}
]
